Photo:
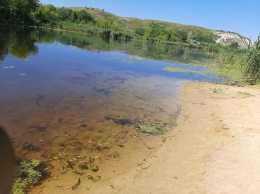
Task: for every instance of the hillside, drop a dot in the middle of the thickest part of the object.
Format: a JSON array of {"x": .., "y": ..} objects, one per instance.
[
  {"x": 226, "y": 38},
  {"x": 100, "y": 23},
  {"x": 194, "y": 33}
]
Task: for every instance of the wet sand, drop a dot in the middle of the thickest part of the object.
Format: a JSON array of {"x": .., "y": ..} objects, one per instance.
[{"x": 214, "y": 149}]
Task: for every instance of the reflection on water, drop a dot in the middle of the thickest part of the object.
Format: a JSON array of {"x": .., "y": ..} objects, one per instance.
[
  {"x": 67, "y": 98},
  {"x": 21, "y": 42}
]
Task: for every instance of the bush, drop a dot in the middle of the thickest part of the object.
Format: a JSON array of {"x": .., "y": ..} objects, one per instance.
[
  {"x": 241, "y": 61},
  {"x": 203, "y": 38},
  {"x": 252, "y": 64}
]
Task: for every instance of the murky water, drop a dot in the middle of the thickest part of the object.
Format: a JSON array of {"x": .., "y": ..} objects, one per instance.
[{"x": 67, "y": 97}]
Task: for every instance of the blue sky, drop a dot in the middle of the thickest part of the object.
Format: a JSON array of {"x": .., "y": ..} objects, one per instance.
[{"x": 241, "y": 16}]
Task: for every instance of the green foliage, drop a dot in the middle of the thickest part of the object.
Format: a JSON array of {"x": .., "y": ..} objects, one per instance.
[
  {"x": 85, "y": 16},
  {"x": 140, "y": 31},
  {"x": 156, "y": 29},
  {"x": 151, "y": 129},
  {"x": 240, "y": 63},
  {"x": 203, "y": 38},
  {"x": 213, "y": 48},
  {"x": 20, "y": 10},
  {"x": 45, "y": 14},
  {"x": 4, "y": 9},
  {"x": 93, "y": 167},
  {"x": 170, "y": 122},
  {"x": 106, "y": 24},
  {"x": 234, "y": 45},
  {"x": 109, "y": 24},
  {"x": 230, "y": 62},
  {"x": 229, "y": 57},
  {"x": 64, "y": 14},
  {"x": 27, "y": 175},
  {"x": 252, "y": 64}
]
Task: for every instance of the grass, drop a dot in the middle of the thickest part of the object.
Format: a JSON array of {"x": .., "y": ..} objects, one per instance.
[
  {"x": 242, "y": 65},
  {"x": 252, "y": 64},
  {"x": 230, "y": 62}
]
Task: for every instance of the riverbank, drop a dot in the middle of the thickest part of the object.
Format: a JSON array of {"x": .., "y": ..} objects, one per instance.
[{"x": 214, "y": 149}]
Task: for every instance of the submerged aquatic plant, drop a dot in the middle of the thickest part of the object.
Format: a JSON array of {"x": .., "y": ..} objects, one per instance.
[
  {"x": 91, "y": 167},
  {"x": 183, "y": 70},
  {"x": 151, "y": 129},
  {"x": 169, "y": 122},
  {"x": 27, "y": 175}
]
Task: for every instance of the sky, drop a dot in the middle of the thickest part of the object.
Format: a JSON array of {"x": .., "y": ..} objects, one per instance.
[{"x": 240, "y": 16}]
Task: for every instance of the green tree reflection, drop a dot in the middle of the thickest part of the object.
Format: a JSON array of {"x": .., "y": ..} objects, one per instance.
[
  {"x": 17, "y": 42},
  {"x": 21, "y": 42},
  {"x": 22, "y": 48}
]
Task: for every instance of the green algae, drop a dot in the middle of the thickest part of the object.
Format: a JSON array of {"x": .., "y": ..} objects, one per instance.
[
  {"x": 175, "y": 69},
  {"x": 151, "y": 129}
]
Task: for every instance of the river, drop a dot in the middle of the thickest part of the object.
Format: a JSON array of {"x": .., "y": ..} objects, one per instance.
[{"x": 66, "y": 97}]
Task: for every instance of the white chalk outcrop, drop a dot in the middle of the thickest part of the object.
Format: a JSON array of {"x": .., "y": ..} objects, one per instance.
[{"x": 227, "y": 38}]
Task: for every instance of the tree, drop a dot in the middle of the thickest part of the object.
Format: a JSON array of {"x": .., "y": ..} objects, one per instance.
[
  {"x": 4, "y": 9},
  {"x": 181, "y": 35},
  {"x": 203, "y": 38},
  {"x": 20, "y": 10},
  {"x": 74, "y": 16},
  {"x": 156, "y": 29},
  {"x": 64, "y": 14},
  {"x": 85, "y": 16},
  {"x": 140, "y": 31},
  {"x": 46, "y": 14}
]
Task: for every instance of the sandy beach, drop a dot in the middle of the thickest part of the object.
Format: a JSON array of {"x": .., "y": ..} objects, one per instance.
[{"x": 215, "y": 148}]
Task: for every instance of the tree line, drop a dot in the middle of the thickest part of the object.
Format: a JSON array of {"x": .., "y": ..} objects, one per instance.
[{"x": 32, "y": 12}]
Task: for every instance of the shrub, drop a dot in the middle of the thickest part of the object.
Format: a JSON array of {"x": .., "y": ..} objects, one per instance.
[{"x": 252, "y": 64}]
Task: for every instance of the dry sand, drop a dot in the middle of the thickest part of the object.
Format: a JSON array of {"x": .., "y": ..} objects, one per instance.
[{"x": 214, "y": 149}]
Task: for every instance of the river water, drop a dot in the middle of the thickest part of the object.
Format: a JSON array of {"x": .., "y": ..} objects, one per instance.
[{"x": 65, "y": 96}]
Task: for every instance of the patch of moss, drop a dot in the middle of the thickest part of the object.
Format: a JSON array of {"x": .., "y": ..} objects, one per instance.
[{"x": 151, "y": 129}]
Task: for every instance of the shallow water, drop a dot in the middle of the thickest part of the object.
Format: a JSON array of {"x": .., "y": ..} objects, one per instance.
[{"x": 67, "y": 97}]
